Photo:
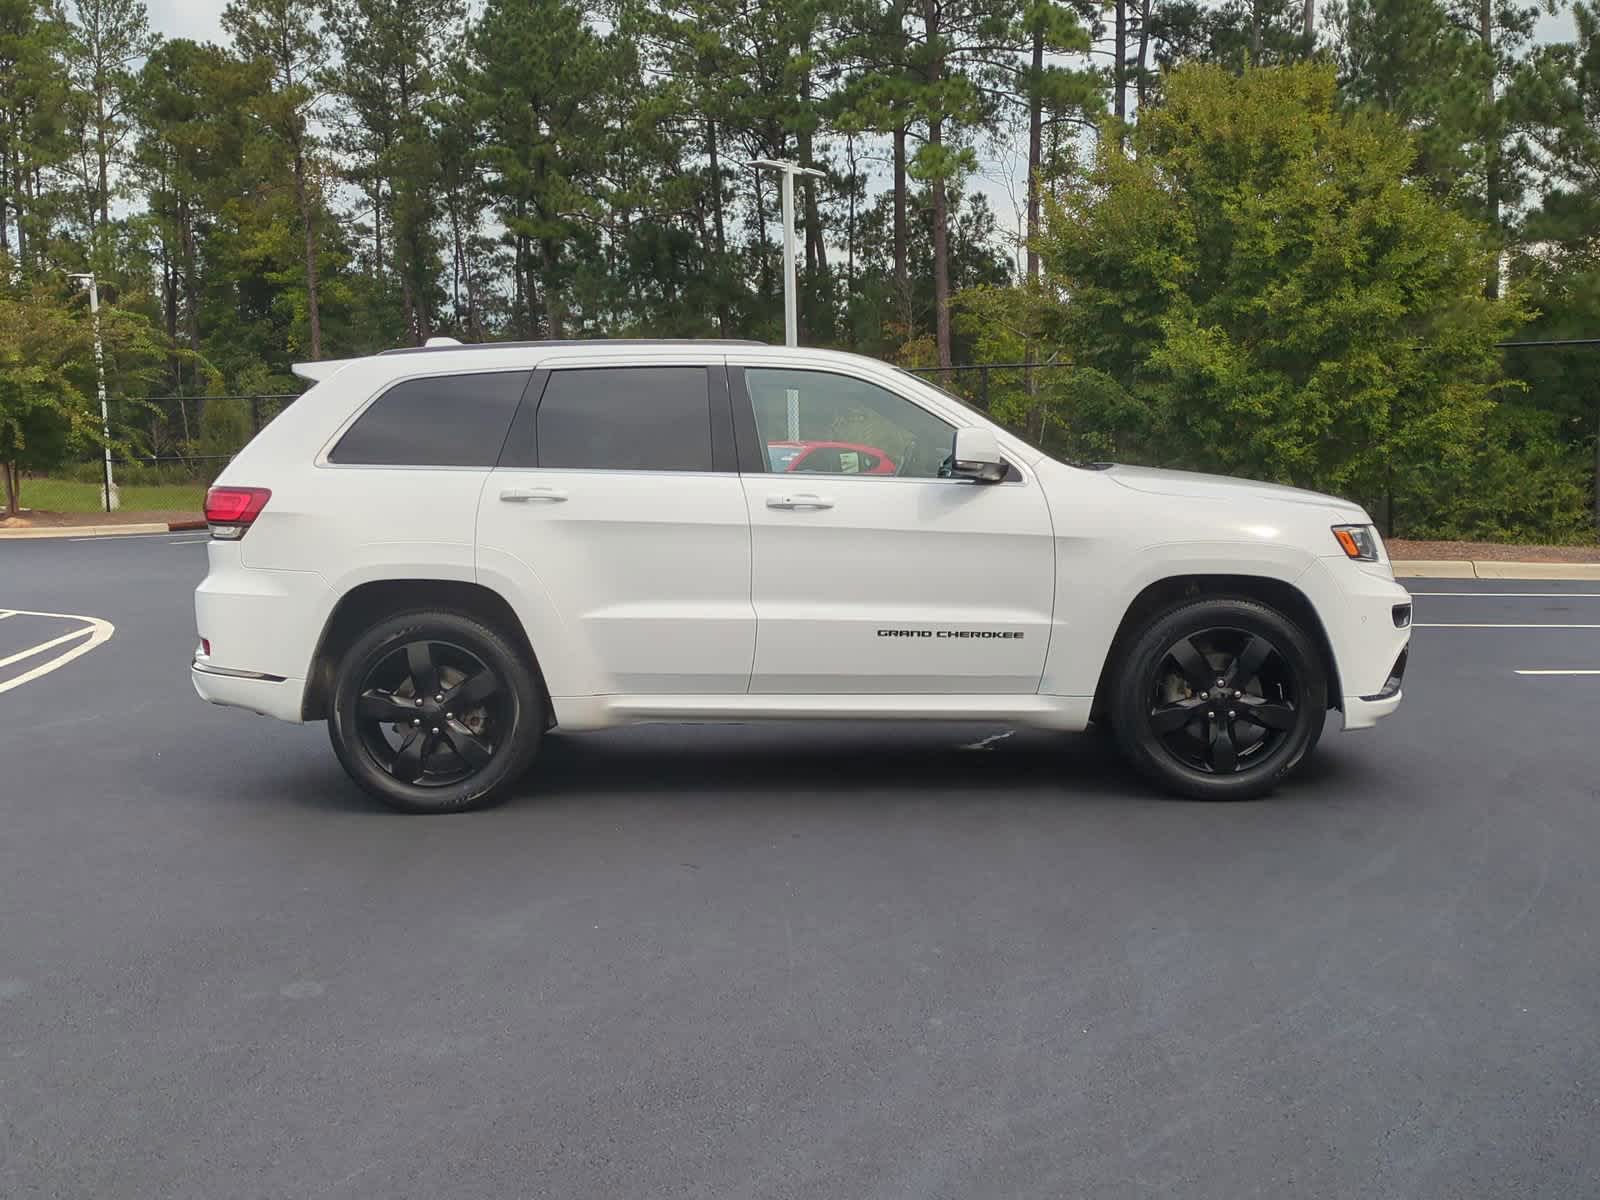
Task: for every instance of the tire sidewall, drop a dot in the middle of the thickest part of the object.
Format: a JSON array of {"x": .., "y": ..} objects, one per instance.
[
  {"x": 518, "y": 744},
  {"x": 1131, "y": 711}
]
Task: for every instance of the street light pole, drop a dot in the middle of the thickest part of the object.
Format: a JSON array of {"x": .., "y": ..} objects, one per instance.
[
  {"x": 791, "y": 305},
  {"x": 100, "y": 371}
]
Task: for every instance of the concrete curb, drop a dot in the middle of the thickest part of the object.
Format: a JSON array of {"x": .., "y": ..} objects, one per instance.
[
  {"x": 83, "y": 531},
  {"x": 1462, "y": 569}
]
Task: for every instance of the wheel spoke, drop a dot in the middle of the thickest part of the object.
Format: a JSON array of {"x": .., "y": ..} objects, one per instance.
[
  {"x": 1196, "y": 671},
  {"x": 378, "y": 705},
  {"x": 469, "y": 747},
  {"x": 1222, "y": 751},
  {"x": 1170, "y": 718},
  {"x": 472, "y": 691},
  {"x": 408, "y": 761},
  {"x": 424, "y": 675},
  {"x": 1249, "y": 661},
  {"x": 1267, "y": 713}
]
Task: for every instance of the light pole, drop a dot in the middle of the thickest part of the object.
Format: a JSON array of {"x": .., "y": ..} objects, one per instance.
[
  {"x": 791, "y": 310},
  {"x": 100, "y": 371}
]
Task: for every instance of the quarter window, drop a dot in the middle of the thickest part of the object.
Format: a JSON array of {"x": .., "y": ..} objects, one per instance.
[
  {"x": 820, "y": 423},
  {"x": 443, "y": 421},
  {"x": 626, "y": 419}
]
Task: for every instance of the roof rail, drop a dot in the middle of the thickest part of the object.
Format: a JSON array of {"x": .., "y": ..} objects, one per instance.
[{"x": 436, "y": 344}]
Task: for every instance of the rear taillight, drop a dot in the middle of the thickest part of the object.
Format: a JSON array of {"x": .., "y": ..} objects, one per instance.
[{"x": 230, "y": 510}]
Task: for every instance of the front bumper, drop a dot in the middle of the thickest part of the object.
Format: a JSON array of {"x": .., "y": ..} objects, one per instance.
[{"x": 1359, "y": 607}]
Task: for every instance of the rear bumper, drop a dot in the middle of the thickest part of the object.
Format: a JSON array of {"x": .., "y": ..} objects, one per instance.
[
  {"x": 269, "y": 695},
  {"x": 262, "y": 626}
]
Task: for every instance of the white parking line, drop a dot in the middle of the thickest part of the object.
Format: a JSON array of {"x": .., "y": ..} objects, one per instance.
[
  {"x": 43, "y": 646},
  {"x": 4, "y": 613},
  {"x": 1518, "y": 595},
  {"x": 98, "y": 631},
  {"x": 1494, "y": 625},
  {"x": 1556, "y": 672}
]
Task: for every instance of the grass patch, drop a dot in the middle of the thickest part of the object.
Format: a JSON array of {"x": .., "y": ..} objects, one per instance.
[{"x": 75, "y": 496}]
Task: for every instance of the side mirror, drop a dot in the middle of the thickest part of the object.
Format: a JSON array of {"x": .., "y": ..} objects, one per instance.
[{"x": 977, "y": 456}]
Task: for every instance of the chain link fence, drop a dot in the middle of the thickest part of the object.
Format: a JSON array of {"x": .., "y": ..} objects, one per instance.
[{"x": 165, "y": 452}]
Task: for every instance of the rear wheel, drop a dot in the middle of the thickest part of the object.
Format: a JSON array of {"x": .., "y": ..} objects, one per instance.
[
  {"x": 1220, "y": 699},
  {"x": 434, "y": 712}
]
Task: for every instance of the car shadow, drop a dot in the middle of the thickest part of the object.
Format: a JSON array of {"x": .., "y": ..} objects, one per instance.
[
  {"x": 845, "y": 762},
  {"x": 786, "y": 759}
]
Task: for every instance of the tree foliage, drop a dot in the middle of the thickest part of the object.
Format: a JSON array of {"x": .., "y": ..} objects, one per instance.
[
  {"x": 1262, "y": 291},
  {"x": 339, "y": 177}
]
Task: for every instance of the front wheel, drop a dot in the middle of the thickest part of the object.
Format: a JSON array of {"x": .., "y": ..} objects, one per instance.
[
  {"x": 434, "y": 712},
  {"x": 1220, "y": 699}
]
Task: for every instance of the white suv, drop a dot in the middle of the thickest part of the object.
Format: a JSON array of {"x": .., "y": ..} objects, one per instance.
[{"x": 444, "y": 552}]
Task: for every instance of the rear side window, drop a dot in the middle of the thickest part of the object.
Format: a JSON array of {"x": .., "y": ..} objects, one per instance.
[
  {"x": 445, "y": 421},
  {"x": 626, "y": 419}
]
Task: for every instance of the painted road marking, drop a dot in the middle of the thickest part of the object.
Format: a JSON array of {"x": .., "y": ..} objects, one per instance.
[
  {"x": 1465, "y": 625},
  {"x": 43, "y": 646},
  {"x": 1555, "y": 672},
  {"x": 98, "y": 631},
  {"x": 988, "y": 742},
  {"x": 4, "y": 613}
]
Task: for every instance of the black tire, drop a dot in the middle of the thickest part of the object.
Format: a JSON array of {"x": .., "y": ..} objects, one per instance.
[
  {"x": 1257, "y": 716},
  {"x": 454, "y": 750}
]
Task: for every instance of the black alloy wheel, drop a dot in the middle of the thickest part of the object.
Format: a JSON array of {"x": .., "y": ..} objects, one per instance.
[
  {"x": 1219, "y": 698},
  {"x": 431, "y": 713},
  {"x": 435, "y": 712},
  {"x": 1222, "y": 699}
]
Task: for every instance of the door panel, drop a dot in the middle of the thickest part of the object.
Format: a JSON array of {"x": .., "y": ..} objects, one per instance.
[
  {"x": 648, "y": 569},
  {"x": 886, "y": 583}
]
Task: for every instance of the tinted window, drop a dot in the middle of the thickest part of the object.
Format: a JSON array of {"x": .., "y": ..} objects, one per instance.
[
  {"x": 817, "y": 422},
  {"x": 446, "y": 421},
  {"x": 626, "y": 419}
]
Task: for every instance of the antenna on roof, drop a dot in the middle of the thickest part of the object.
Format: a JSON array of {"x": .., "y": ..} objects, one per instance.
[{"x": 440, "y": 341}]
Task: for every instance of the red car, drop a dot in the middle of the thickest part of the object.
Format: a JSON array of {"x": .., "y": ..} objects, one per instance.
[{"x": 829, "y": 458}]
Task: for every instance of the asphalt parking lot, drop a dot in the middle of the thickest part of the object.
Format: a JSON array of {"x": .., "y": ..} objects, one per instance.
[{"x": 774, "y": 961}]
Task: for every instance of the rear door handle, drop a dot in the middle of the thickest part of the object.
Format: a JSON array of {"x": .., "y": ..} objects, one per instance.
[
  {"x": 533, "y": 493},
  {"x": 799, "y": 500}
]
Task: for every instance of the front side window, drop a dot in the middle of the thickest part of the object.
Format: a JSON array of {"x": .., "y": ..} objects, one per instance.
[
  {"x": 820, "y": 423},
  {"x": 626, "y": 419},
  {"x": 442, "y": 421}
]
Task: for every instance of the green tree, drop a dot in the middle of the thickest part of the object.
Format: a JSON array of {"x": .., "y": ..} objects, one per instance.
[
  {"x": 42, "y": 411},
  {"x": 106, "y": 38},
  {"x": 1559, "y": 262},
  {"x": 286, "y": 37},
  {"x": 391, "y": 68},
  {"x": 33, "y": 132},
  {"x": 1269, "y": 296},
  {"x": 538, "y": 70}
]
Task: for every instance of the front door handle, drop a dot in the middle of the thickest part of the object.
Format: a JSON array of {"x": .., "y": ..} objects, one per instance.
[
  {"x": 533, "y": 493},
  {"x": 799, "y": 500}
]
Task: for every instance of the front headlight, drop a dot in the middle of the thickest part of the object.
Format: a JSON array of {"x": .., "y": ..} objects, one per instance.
[{"x": 1359, "y": 542}]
